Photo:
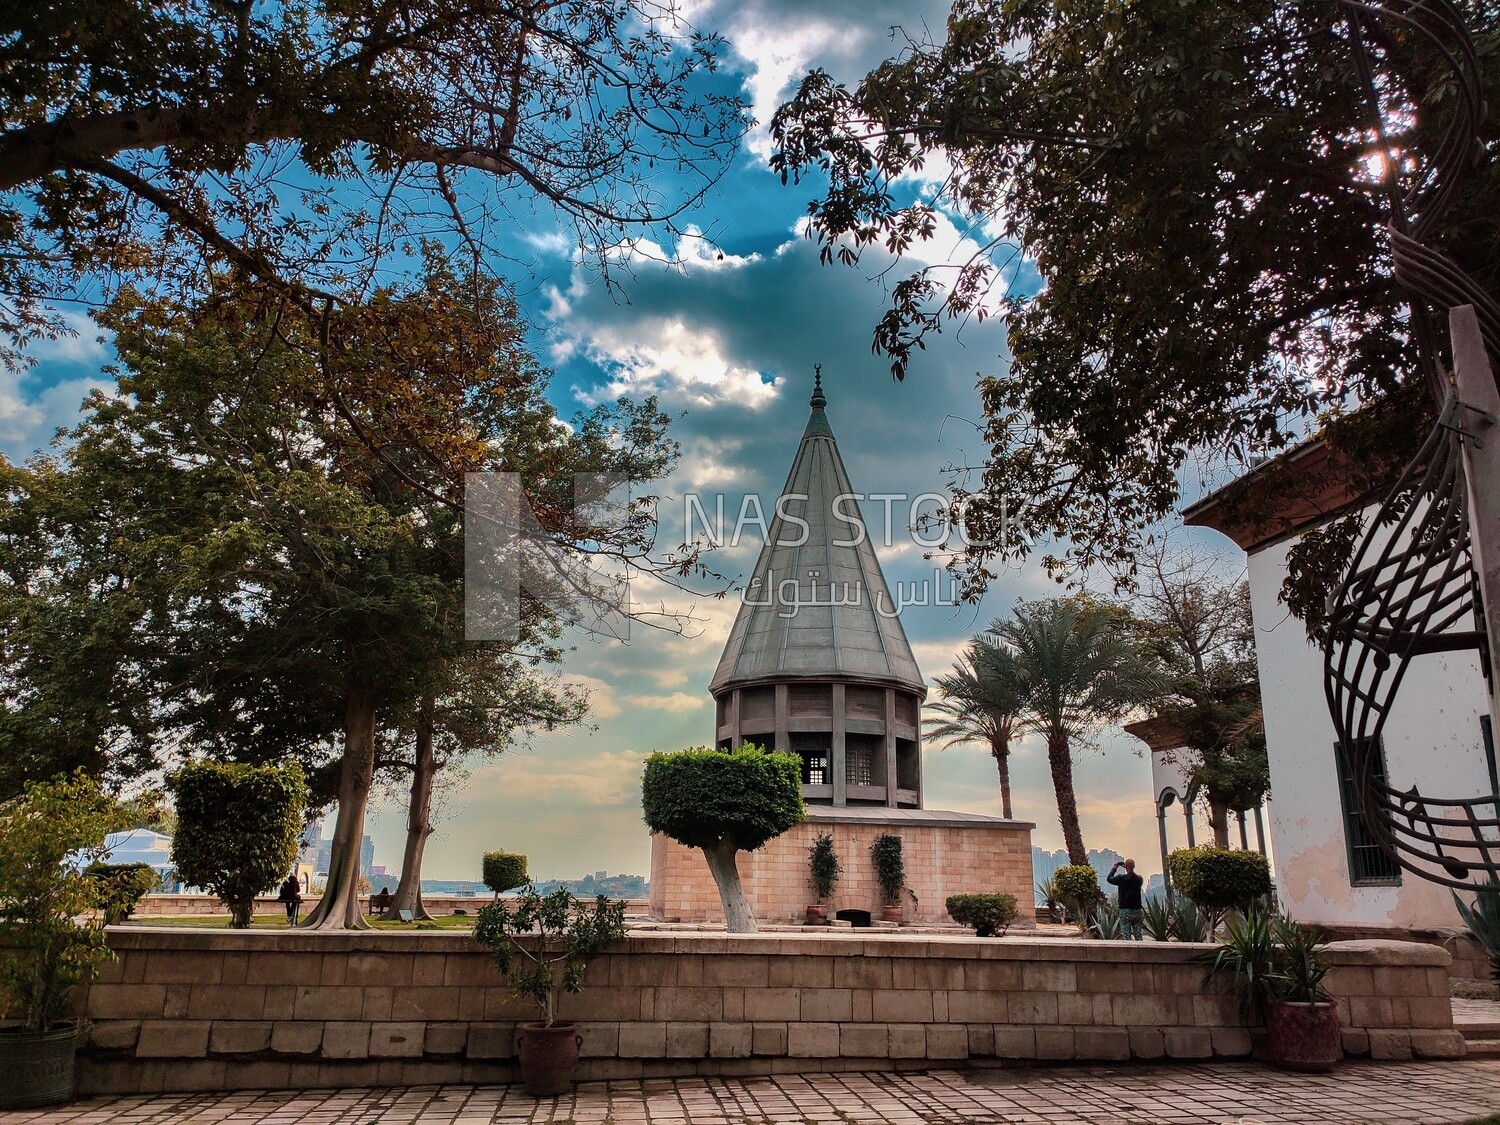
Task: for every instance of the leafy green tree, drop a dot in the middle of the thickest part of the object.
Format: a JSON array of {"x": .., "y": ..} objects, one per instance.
[
  {"x": 980, "y": 702},
  {"x": 1198, "y": 188},
  {"x": 1198, "y": 625},
  {"x": 51, "y": 921},
  {"x": 290, "y": 514},
  {"x": 724, "y": 802},
  {"x": 1080, "y": 670},
  {"x": 156, "y": 141},
  {"x": 238, "y": 829},
  {"x": 504, "y": 871}
]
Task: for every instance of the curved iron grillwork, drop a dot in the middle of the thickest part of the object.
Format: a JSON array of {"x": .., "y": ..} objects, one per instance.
[{"x": 1410, "y": 589}]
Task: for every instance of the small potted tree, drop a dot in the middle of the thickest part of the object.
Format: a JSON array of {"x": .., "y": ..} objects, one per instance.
[
  {"x": 824, "y": 866},
  {"x": 542, "y": 946},
  {"x": 890, "y": 873},
  {"x": 51, "y": 930},
  {"x": 1276, "y": 973}
]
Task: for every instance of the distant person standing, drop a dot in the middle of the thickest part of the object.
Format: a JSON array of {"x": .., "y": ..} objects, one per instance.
[
  {"x": 1129, "y": 884},
  {"x": 291, "y": 898}
]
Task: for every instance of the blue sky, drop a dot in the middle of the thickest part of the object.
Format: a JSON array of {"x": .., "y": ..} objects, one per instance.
[{"x": 728, "y": 336}]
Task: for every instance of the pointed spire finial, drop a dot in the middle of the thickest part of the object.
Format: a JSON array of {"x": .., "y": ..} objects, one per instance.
[{"x": 818, "y": 401}]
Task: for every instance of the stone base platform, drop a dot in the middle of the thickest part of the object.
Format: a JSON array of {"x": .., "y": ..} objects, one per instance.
[
  {"x": 217, "y": 1010},
  {"x": 946, "y": 853}
]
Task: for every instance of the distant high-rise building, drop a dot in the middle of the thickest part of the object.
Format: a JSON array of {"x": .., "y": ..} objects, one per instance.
[{"x": 366, "y": 855}]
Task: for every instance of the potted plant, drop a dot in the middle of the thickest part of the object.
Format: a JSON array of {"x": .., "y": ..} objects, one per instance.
[
  {"x": 825, "y": 868},
  {"x": 1275, "y": 971},
  {"x": 51, "y": 931},
  {"x": 890, "y": 873},
  {"x": 1302, "y": 1024},
  {"x": 542, "y": 946}
]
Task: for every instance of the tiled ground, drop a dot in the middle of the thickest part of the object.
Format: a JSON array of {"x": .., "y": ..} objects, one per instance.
[{"x": 1428, "y": 1093}]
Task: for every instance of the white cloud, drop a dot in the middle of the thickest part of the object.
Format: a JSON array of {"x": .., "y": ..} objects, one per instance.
[
  {"x": 603, "y": 780},
  {"x": 678, "y": 703},
  {"x": 665, "y": 356},
  {"x": 602, "y": 703}
]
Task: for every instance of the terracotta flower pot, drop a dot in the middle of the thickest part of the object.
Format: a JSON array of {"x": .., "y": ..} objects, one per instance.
[
  {"x": 36, "y": 1067},
  {"x": 548, "y": 1057},
  {"x": 817, "y": 915},
  {"x": 891, "y": 914},
  {"x": 1304, "y": 1037}
]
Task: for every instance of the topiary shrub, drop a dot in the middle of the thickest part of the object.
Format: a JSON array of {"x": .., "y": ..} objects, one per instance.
[
  {"x": 990, "y": 915},
  {"x": 121, "y": 886},
  {"x": 723, "y": 801},
  {"x": 504, "y": 871},
  {"x": 1220, "y": 880},
  {"x": 238, "y": 829},
  {"x": 890, "y": 866},
  {"x": 1078, "y": 890},
  {"x": 824, "y": 864}
]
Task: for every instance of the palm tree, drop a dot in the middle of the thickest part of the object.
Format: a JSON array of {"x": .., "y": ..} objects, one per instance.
[
  {"x": 1079, "y": 669},
  {"x": 981, "y": 703}
]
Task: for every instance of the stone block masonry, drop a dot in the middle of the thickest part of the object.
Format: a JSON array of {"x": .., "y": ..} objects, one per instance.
[
  {"x": 183, "y": 1010},
  {"x": 962, "y": 855}
]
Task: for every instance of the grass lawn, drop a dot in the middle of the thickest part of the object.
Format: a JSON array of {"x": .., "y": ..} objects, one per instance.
[{"x": 278, "y": 922}]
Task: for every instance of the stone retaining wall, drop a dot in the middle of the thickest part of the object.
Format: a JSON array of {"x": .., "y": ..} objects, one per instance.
[
  {"x": 173, "y": 905},
  {"x": 186, "y": 1010}
]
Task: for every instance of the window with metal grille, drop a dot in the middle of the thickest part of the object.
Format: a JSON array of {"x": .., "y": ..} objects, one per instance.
[
  {"x": 815, "y": 751},
  {"x": 1368, "y": 863},
  {"x": 859, "y": 766}
]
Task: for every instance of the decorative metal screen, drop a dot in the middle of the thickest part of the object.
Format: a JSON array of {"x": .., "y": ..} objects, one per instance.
[{"x": 1410, "y": 590}]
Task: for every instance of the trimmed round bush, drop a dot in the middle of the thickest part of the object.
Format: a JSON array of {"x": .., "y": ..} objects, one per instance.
[
  {"x": 238, "y": 829},
  {"x": 504, "y": 871},
  {"x": 1077, "y": 888},
  {"x": 1220, "y": 879},
  {"x": 700, "y": 797},
  {"x": 724, "y": 801},
  {"x": 990, "y": 915},
  {"x": 121, "y": 886}
]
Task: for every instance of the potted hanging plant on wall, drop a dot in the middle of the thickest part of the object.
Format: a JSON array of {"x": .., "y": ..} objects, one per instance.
[
  {"x": 824, "y": 866},
  {"x": 51, "y": 931},
  {"x": 890, "y": 873},
  {"x": 1275, "y": 970},
  {"x": 542, "y": 945}
]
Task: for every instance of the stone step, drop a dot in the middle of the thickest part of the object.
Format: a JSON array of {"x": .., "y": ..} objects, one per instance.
[{"x": 1483, "y": 1048}]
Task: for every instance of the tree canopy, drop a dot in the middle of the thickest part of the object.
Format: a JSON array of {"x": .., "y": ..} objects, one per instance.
[
  {"x": 310, "y": 143},
  {"x": 1199, "y": 188}
]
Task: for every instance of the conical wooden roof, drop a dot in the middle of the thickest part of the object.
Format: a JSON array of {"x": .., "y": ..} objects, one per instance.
[{"x": 783, "y": 635}]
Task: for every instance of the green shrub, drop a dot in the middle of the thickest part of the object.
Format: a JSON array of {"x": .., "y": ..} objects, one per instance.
[
  {"x": 825, "y": 866},
  {"x": 1156, "y": 918},
  {"x": 1047, "y": 892},
  {"x": 504, "y": 871},
  {"x": 1218, "y": 879},
  {"x": 1483, "y": 920},
  {"x": 890, "y": 867},
  {"x": 51, "y": 936},
  {"x": 990, "y": 915},
  {"x": 121, "y": 886},
  {"x": 1078, "y": 890},
  {"x": 238, "y": 829},
  {"x": 1104, "y": 921},
  {"x": 723, "y": 801}
]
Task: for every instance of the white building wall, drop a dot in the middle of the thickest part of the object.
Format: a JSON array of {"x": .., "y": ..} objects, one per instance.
[{"x": 1433, "y": 739}]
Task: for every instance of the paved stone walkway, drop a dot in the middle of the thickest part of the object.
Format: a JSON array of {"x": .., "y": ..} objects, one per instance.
[{"x": 1425, "y": 1093}]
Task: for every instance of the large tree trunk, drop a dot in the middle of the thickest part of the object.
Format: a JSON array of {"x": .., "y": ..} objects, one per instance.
[
  {"x": 1000, "y": 748},
  {"x": 339, "y": 909},
  {"x": 408, "y": 894},
  {"x": 726, "y": 872},
  {"x": 1060, "y": 758},
  {"x": 1218, "y": 819}
]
